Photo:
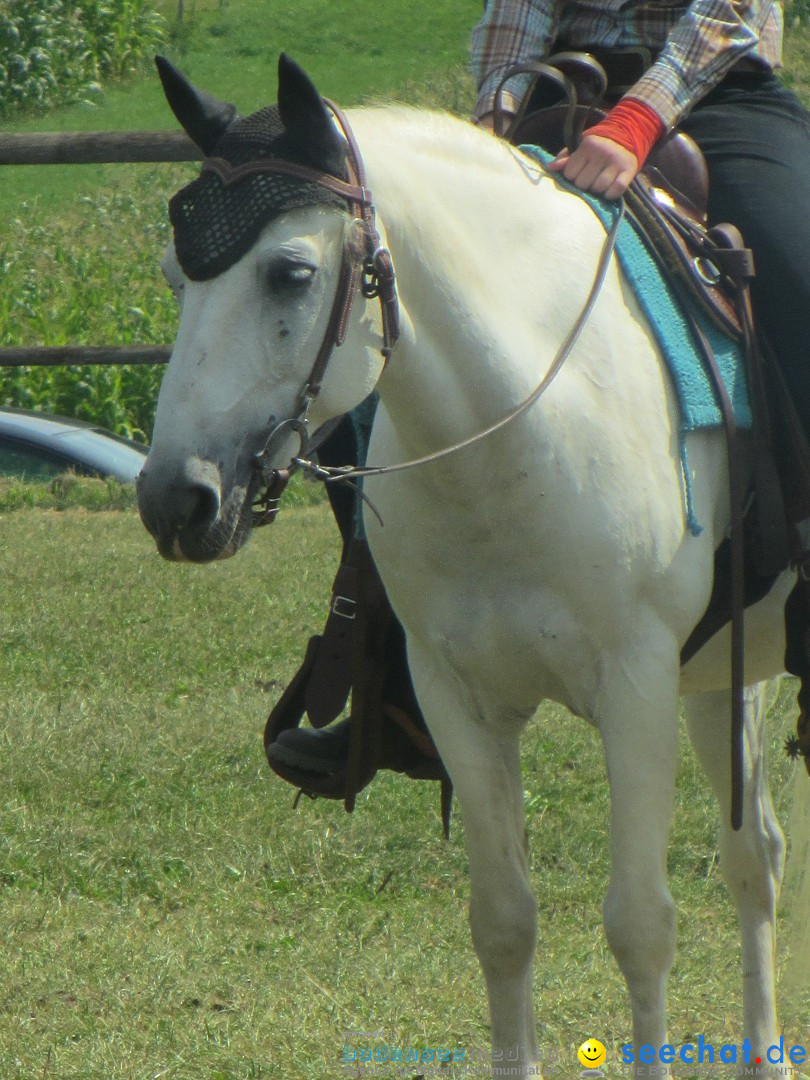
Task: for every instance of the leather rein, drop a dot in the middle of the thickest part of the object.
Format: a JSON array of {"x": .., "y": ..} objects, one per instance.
[{"x": 374, "y": 274}]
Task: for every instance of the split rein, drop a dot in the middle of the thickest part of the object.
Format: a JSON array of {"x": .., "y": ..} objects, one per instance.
[{"x": 374, "y": 276}]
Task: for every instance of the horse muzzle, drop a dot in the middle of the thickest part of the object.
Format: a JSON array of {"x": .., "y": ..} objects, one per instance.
[{"x": 184, "y": 509}]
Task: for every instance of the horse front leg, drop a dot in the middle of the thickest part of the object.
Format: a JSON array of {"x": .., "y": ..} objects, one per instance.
[
  {"x": 637, "y": 716},
  {"x": 484, "y": 765},
  {"x": 751, "y": 859}
]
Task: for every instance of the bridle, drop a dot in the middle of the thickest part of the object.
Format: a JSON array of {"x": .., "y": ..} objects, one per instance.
[
  {"x": 372, "y": 273},
  {"x": 365, "y": 267}
]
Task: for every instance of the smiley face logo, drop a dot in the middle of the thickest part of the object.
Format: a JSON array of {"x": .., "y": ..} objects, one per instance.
[{"x": 592, "y": 1054}]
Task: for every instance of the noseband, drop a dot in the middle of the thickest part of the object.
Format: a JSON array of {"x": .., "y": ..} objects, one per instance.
[{"x": 367, "y": 268}]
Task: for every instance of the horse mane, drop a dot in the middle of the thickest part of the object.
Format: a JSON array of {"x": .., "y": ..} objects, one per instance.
[
  {"x": 441, "y": 185},
  {"x": 433, "y": 127},
  {"x": 428, "y": 138}
]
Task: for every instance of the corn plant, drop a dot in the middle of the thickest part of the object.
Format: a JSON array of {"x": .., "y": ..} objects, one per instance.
[
  {"x": 88, "y": 279},
  {"x": 56, "y": 51}
]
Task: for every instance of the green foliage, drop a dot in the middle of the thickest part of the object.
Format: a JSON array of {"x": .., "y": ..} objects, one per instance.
[
  {"x": 121, "y": 399},
  {"x": 44, "y": 54},
  {"x": 57, "y": 51},
  {"x": 797, "y": 12},
  {"x": 90, "y": 278},
  {"x": 124, "y": 33}
]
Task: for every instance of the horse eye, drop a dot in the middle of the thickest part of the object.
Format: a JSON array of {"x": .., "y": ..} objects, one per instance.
[{"x": 290, "y": 275}]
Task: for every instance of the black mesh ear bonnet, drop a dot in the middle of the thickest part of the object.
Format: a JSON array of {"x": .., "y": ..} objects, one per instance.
[{"x": 215, "y": 225}]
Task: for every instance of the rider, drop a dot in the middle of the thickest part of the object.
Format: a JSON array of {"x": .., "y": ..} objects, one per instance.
[
  {"x": 708, "y": 68},
  {"x": 711, "y": 73}
]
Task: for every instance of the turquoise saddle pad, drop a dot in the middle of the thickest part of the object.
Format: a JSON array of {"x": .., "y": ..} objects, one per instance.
[
  {"x": 698, "y": 402},
  {"x": 699, "y": 408}
]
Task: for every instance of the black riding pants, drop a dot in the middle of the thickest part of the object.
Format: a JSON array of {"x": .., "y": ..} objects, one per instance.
[{"x": 755, "y": 136}]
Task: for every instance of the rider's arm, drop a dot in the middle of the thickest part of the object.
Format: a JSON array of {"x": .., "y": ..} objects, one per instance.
[
  {"x": 697, "y": 50},
  {"x": 702, "y": 47}
]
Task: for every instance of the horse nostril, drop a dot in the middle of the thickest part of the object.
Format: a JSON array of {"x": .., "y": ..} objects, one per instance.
[
  {"x": 202, "y": 503},
  {"x": 180, "y": 505}
]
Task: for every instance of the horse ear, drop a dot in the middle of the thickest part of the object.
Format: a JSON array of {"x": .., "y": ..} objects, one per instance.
[
  {"x": 306, "y": 119},
  {"x": 204, "y": 117}
]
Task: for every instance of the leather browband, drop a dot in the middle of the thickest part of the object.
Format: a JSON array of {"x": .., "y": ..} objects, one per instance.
[{"x": 232, "y": 174}]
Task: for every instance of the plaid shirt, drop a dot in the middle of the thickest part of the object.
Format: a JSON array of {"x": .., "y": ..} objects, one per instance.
[{"x": 697, "y": 44}]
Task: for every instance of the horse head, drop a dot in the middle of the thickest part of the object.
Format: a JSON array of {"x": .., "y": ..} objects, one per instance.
[{"x": 270, "y": 243}]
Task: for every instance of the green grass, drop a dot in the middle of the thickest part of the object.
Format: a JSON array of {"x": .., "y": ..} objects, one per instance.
[
  {"x": 165, "y": 912},
  {"x": 67, "y": 491},
  {"x": 81, "y": 250},
  {"x": 414, "y": 51},
  {"x": 797, "y": 62}
]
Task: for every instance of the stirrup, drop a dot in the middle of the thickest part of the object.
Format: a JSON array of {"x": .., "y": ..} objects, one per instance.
[{"x": 361, "y": 653}]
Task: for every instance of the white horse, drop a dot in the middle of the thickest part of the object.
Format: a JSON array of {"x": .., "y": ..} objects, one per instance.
[{"x": 550, "y": 560}]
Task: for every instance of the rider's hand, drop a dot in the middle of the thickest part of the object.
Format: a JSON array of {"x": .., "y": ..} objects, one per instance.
[
  {"x": 612, "y": 152},
  {"x": 598, "y": 165}
]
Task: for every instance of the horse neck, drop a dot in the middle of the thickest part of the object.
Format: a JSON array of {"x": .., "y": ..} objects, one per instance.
[{"x": 470, "y": 233}]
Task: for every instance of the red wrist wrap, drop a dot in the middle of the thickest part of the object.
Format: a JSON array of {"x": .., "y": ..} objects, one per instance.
[{"x": 633, "y": 125}]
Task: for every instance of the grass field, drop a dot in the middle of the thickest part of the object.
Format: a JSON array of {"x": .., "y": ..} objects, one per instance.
[
  {"x": 165, "y": 912},
  {"x": 163, "y": 909},
  {"x": 417, "y": 52}
]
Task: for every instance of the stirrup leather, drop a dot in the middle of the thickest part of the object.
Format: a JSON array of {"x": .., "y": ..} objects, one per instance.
[{"x": 360, "y": 653}]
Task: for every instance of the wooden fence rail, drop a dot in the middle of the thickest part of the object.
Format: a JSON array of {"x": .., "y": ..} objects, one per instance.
[
  {"x": 55, "y": 355},
  {"x": 95, "y": 147},
  {"x": 91, "y": 148}
]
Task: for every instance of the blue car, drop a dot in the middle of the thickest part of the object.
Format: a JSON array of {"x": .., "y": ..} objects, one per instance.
[{"x": 37, "y": 446}]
